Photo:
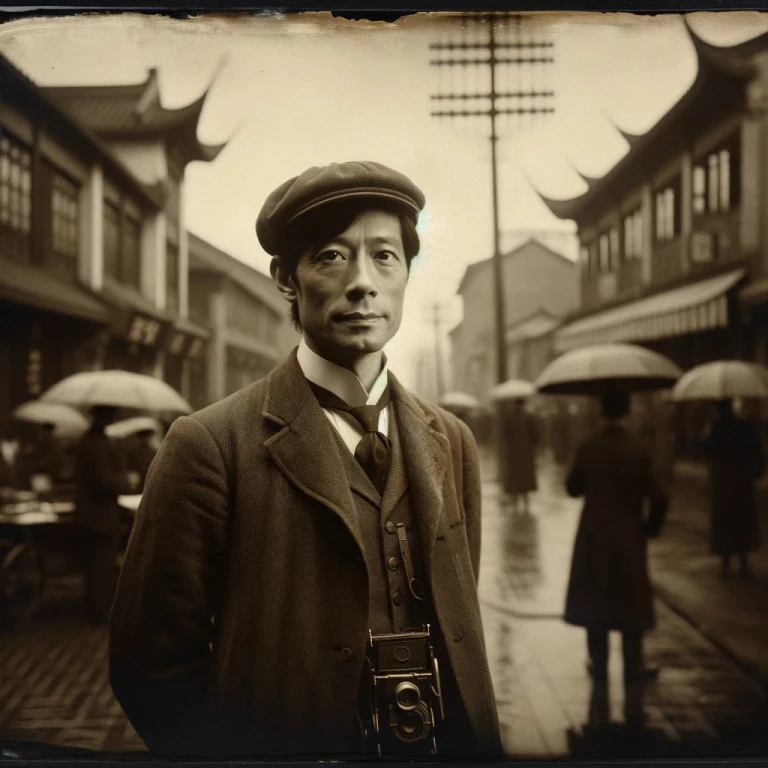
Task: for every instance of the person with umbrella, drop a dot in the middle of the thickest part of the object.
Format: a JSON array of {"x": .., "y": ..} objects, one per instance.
[
  {"x": 736, "y": 460},
  {"x": 99, "y": 479},
  {"x": 518, "y": 437},
  {"x": 609, "y": 587},
  {"x": 735, "y": 453}
]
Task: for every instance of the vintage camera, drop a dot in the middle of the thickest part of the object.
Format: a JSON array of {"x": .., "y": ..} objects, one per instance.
[{"x": 405, "y": 693}]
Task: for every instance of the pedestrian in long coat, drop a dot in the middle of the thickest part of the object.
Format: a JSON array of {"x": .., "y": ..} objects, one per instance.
[
  {"x": 99, "y": 480},
  {"x": 736, "y": 461},
  {"x": 518, "y": 437},
  {"x": 265, "y": 547},
  {"x": 609, "y": 588}
]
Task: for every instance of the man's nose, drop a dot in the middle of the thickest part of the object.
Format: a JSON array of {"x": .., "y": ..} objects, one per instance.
[{"x": 362, "y": 277}]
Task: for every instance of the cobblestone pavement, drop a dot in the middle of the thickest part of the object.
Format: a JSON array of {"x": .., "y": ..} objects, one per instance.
[{"x": 54, "y": 688}]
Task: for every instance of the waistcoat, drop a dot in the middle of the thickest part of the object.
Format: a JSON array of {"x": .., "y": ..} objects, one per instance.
[{"x": 392, "y": 607}]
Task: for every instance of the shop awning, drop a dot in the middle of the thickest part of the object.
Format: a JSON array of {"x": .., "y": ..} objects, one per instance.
[
  {"x": 695, "y": 307},
  {"x": 36, "y": 287}
]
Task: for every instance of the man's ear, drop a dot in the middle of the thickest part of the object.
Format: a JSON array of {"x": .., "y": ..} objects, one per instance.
[{"x": 283, "y": 280}]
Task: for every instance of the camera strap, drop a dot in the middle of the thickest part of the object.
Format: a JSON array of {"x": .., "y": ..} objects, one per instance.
[{"x": 414, "y": 585}]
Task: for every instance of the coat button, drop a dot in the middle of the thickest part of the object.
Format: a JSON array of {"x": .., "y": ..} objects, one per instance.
[
  {"x": 393, "y": 563},
  {"x": 397, "y": 598},
  {"x": 347, "y": 654},
  {"x": 389, "y": 527}
]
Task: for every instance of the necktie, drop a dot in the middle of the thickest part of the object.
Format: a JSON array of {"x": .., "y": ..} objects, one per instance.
[{"x": 373, "y": 452}]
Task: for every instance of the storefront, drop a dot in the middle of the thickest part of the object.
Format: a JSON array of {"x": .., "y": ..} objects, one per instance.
[
  {"x": 138, "y": 333},
  {"x": 53, "y": 328},
  {"x": 184, "y": 364}
]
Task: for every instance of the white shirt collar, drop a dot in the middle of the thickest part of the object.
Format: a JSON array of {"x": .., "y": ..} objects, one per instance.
[{"x": 338, "y": 380}]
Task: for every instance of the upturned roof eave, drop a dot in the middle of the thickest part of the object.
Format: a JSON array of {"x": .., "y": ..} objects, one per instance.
[{"x": 714, "y": 64}]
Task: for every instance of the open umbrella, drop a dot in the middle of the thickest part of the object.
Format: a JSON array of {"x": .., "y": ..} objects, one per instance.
[
  {"x": 121, "y": 389},
  {"x": 458, "y": 400},
  {"x": 723, "y": 380},
  {"x": 131, "y": 426},
  {"x": 593, "y": 369},
  {"x": 67, "y": 421},
  {"x": 513, "y": 389}
]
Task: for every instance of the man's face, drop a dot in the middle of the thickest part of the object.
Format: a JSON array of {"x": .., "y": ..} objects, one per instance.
[{"x": 350, "y": 290}]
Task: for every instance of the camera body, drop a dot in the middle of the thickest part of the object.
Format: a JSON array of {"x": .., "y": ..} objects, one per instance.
[{"x": 405, "y": 693}]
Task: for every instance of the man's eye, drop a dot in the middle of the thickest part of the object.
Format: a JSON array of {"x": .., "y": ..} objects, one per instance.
[
  {"x": 386, "y": 255},
  {"x": 330, "y": 255}
]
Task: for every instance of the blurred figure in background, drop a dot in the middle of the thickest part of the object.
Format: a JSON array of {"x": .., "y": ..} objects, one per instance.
[
  {"x": 46, "y": 457},
  {"x": 609, "y": 587},
  {"x": 518, "y": 438},
  {"x": 100, "y": 479},
  {"x": 140, "y": 456},
  {"x": 736, "y": 460},
  {"x": 11, "y": 475}
]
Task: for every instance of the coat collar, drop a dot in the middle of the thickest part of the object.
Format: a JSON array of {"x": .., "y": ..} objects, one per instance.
[{"x": 308, "y": 455}]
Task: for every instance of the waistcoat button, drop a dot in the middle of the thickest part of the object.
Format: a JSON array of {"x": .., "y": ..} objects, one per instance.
[
  {"x": 389, "y": 527},
  {"x": 398, "y": 598},
  {"x": 393, "y": 563}
]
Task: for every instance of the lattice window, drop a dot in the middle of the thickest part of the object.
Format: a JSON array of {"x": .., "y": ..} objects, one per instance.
[
  {"x": 15, "y": 197},
  {"x": 65, "y": 215}
]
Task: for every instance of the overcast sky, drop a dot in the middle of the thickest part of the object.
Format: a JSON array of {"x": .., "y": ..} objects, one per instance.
[{"x": 309, "y": 90}]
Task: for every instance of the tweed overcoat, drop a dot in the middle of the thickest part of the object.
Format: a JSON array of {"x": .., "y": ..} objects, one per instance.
[
  {"x": 609, "y": 586},
  {"x": 240, "y": 621}
]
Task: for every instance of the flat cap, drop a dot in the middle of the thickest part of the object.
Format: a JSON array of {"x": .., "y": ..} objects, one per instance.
[{"x": 337, "y": 181}]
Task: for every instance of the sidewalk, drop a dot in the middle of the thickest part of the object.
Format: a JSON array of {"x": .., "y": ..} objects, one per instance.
[{"x": 732, "y": 613}]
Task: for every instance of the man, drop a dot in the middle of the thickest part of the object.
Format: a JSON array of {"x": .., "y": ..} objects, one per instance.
[
  {"x": 99, "y": 481},
  {"x": 282, "y": 525},
  {"x": 609, "y": 587}
]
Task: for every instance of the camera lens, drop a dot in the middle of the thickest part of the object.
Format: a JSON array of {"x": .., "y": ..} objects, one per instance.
[
  {"x": 410, "y": 724},
  {"x": 407, "y": 696}
]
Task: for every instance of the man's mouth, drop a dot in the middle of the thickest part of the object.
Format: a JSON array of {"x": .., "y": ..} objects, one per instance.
[{"x": 348, "y": 316}]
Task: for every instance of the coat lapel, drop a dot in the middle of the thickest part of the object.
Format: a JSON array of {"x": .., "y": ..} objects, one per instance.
[
  {"x": 425, "y": 455},
  {"x": 305, "y": 449}
]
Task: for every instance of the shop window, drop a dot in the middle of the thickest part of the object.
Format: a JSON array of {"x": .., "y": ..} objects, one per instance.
[
  {"x": 132, "y": 252},
  {"x": 15, "y": 197},
  {"x": 668, "y": 211},
  {"x": 112, "y": 241},
  {"x": 613, "y": 243},
  {"x": 716, "y": 182},
  {"x": 65, "y": 214},
  {"x": 172, "y": 278},
  {"x": 633, "y": 235}
]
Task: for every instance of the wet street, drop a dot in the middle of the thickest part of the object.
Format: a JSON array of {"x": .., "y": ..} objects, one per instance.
[
  {"x": 54, "y": 689},
  {"x": 701, "y": 704}
]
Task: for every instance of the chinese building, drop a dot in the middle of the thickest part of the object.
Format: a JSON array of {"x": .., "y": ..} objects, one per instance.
[
  {"x": 246, "y": 317},
  {"x": 93, "y": 250},
  {"x": 145, "y": 253},
  {"x": 673, "y": 247},
  {"x": 540, "y": 288},
  {"x": 52, "y": 171}
]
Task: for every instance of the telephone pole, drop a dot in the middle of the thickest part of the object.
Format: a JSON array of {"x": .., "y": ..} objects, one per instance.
[
  {"x": 531, "y": 53},
  {"x": 439, "y": 375}
]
